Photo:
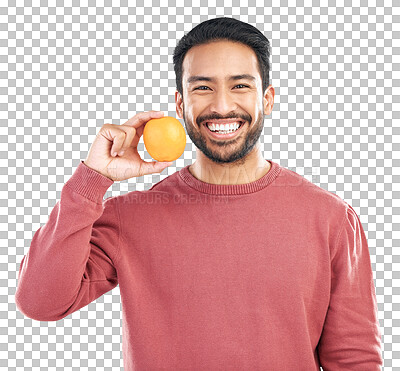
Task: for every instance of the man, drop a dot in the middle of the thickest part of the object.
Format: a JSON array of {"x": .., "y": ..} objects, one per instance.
[{"x": 233, "y": 262}]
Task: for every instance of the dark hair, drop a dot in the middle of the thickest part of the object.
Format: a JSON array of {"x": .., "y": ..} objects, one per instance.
[{"x": 219, "y": 29}]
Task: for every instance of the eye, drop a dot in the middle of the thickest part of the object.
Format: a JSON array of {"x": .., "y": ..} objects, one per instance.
[{"x": 198, "y": 88}]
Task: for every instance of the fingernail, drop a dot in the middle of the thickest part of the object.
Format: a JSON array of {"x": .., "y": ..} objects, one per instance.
[
  {"x": 114, "y": 154},
  {"x": 121, "y": 153}
]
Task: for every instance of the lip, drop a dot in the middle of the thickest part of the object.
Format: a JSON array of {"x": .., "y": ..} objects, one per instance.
[{"x": 225, "y": 136}]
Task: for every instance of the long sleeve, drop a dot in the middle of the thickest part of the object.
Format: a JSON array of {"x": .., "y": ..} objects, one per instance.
[
  {"x": 351, "y": 337},
  {"x": 70, "y": 262}
]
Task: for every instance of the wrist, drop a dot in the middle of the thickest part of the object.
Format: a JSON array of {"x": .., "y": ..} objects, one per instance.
[{"x": 97, "y": 171}]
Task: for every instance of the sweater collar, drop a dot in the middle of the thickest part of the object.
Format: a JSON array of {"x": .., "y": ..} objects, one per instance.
[{"x": 230, "y": 189}]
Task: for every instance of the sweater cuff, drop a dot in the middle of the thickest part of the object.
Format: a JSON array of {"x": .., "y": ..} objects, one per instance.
[{"x": 89, "y": 183}]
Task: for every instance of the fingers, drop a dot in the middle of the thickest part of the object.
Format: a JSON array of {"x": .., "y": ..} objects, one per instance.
[
  {"x": 122, "y": 140},
  {"x": 123, "y": 135},
  {"x": 119, "y": 139},
  {"x": 142, "y": 118}
]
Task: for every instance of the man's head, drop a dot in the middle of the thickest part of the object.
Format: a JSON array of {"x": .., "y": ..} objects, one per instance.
[{"x": 219, "y": 49}]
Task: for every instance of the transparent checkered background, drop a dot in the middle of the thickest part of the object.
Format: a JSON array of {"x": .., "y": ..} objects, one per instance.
[{"x": 67, "y": 69}]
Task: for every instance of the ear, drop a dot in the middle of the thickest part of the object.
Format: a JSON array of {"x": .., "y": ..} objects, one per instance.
[
  {"x": 268, "y": 100},
  {"x": 179, "y": 104}
]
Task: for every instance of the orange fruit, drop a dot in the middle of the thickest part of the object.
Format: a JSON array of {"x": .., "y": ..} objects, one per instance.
[{"x": 164, "y": 138}]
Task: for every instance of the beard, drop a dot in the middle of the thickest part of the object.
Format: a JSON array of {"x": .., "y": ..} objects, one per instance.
[{"x": 226, "y": 151}]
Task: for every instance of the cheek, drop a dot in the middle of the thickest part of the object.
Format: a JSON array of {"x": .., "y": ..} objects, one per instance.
[
  {"x": 198, "y": 100},
  {"x": 258, "y": 104},
  {"x": 195, "y": 106}
]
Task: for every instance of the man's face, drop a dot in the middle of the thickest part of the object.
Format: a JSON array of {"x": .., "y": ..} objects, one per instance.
[{"x": 223, "y": 98}]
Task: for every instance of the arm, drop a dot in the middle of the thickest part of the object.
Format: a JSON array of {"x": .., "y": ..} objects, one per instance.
[
  {"x": 71, "y": 260},
  {"x": 351, "y": 338}
]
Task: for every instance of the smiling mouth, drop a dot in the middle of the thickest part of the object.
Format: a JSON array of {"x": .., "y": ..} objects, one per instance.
[{"x": 222, "y": 127}]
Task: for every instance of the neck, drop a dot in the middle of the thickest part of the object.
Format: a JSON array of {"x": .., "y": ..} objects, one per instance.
[{"x": 246, "y": 170}]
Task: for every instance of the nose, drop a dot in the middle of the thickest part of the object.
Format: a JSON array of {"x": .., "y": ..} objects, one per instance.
[{"x": 223, "y": 103}]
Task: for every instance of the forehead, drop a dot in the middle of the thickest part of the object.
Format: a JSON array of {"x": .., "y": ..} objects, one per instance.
[{"x": 219, "y": 60}]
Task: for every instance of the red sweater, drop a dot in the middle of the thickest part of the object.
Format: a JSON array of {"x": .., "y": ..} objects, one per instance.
[{"x": 270, "y": 275}]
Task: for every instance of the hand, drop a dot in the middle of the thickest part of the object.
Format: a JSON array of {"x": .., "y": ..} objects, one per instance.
[{"x": 123, "y": 140}]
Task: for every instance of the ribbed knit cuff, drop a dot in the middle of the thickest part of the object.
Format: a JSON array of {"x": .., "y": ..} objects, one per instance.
[{"x": 89, "y": 183}]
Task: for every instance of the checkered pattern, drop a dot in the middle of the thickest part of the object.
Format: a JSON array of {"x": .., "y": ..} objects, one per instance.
[{"x": 66, "y": 68}]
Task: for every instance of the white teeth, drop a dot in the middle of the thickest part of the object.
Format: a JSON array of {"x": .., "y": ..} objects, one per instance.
[{"x": 224, "y": 128}]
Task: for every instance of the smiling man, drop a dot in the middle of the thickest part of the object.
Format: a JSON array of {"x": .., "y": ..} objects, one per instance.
[{"x": 231, "y": 263}]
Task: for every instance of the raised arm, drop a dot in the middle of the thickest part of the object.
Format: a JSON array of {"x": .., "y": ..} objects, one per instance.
[{"x": 70, "y": 262}]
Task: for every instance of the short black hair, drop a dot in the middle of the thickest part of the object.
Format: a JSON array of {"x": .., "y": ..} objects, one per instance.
[{"x": 220, "y": 29}]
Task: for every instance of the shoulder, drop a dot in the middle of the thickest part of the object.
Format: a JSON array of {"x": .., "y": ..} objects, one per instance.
[{"x": 306, "y": 192}]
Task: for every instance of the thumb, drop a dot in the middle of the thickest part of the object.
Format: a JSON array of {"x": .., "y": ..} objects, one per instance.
[{"x": 155, "y": 166}]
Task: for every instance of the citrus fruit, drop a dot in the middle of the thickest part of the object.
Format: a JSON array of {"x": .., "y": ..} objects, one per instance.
[{"x": 164, "y": 138}]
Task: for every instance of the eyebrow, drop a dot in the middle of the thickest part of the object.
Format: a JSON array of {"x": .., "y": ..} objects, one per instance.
[{"x": 244, "y": 76}]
